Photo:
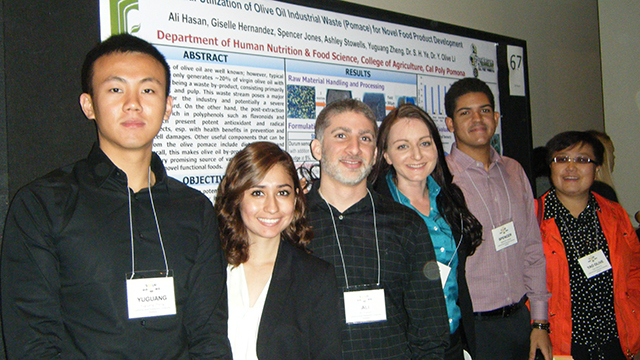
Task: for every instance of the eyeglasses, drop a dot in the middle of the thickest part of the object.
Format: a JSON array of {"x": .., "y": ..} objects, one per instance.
[
  {"x": 310, "y": 174},
  {"x": 563, "y": 159}
]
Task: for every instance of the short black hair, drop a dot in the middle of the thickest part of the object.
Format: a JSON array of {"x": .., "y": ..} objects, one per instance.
[
  {"x": 569, "y": 139},
  {"x": 122, "y": 43},
  {"x": 463, "y": 87}
]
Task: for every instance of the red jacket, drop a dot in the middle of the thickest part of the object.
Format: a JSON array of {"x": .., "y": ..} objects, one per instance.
[{"x": 624, "y": 252}]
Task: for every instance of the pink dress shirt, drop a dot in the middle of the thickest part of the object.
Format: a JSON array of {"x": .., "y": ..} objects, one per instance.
[{"x": 500, "y": 278}]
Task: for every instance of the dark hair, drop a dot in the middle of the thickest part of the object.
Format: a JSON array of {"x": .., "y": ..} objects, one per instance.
[
  {"x": 246, "y": 169},
  {"x": 450, "y": 201},
  {"x": 463, "y": 87},
  {"x": 339, "y": 107},
  {"x": 539, "y": 162},
  {"x": 600, "y": 135},
  {"x": 122, "y": 43},
  {"x": 569, "y": 139}
]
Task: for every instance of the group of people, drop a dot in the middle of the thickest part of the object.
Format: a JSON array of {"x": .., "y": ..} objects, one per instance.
[{"x": 396, "y": 252}]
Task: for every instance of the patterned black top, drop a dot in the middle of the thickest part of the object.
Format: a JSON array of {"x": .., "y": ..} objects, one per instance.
[{"x": 592, "y": 311}]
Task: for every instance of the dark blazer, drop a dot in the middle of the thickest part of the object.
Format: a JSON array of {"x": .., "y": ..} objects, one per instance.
[
  {"x": 300, "y": 319},
  {"x": 467, "y": 327}
]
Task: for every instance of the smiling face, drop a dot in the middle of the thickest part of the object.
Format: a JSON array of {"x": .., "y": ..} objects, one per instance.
[
  {"x": 474, "y": 122},
  {"x": 267, "y": 208},
  {"x": 347, "y": 149},
  {"x": 411, "y": 151},
  {"x": 570, "y": 179},
  {"x": 128, "y": 102}
]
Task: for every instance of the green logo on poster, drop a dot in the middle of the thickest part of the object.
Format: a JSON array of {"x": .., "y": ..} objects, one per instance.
[{"x": 121, "y": 16}]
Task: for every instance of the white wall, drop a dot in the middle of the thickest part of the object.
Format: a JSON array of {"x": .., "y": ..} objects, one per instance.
[{"x": 620, "y": 42}]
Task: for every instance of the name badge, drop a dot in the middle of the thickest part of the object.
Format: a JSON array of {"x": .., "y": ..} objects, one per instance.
[
  {"x": 594, "y": 264},
  {"x": 150, "y": 295},
  {"x": 444, "y": 272},
  {"x": 364, "y": 306},
  {"x": 504, "y": 236}
]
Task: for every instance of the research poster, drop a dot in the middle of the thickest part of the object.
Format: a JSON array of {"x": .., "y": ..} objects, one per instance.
[{"x": 245, "y": 71}]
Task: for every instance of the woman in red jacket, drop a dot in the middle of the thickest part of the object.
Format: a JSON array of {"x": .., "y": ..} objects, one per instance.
[{"x": 593, "y": 257}]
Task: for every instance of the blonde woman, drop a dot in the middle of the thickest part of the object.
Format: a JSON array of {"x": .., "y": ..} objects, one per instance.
[{"x": 603, "y": 184}]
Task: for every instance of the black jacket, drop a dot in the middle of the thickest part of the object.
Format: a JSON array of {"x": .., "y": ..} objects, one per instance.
[
  {"x": 416, "y": 325},
  {"x": 467, "y": 328},
  {"x": 300, "y": 319},
  {"x": 66, "y": 254}
]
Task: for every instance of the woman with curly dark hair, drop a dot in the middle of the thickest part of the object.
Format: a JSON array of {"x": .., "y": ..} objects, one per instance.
[
  {"x": 411, "y": 168},
  {"x": 283, "y": 302}
]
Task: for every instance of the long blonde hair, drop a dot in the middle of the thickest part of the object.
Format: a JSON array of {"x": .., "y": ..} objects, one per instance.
[{"x": 606, "y": 169}]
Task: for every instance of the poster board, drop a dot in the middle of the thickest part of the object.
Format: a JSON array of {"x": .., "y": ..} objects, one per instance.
[{"x": 245, "y": 71}]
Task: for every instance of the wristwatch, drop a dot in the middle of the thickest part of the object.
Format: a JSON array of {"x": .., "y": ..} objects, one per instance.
[{"x": 541, "y": 326}]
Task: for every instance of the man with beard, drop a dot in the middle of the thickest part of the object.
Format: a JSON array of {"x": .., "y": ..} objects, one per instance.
[{"x": 393, "y": 305}]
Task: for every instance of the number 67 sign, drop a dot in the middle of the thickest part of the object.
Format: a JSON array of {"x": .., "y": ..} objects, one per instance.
[{"x": 516, "y": 70}]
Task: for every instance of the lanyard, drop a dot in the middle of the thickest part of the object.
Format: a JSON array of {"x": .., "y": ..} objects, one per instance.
[
  {"x": 335, "y": 229},
  {"x": 155, "y": 217},
  {"x": 589, "y": 243},
  {"x": 506, "y": 188}
]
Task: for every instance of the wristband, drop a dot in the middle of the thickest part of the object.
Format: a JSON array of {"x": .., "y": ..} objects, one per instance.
[{"x": 541, "y": 326}]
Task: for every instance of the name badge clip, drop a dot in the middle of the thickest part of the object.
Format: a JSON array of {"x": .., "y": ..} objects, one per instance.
[
  {"x": 364, "y": 304},
  {"x": 150, "y": 293}
]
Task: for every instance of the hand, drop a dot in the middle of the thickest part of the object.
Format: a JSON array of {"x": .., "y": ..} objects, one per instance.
[
  {"x": 540, "y": 340},
  {"x": 304, "y": 184}
]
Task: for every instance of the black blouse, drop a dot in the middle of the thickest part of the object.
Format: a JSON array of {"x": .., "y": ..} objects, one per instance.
[{"x": 592, "y": 311}]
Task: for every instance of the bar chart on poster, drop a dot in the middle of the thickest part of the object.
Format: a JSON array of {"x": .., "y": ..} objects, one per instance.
[{"x": 245, "y": 71}]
